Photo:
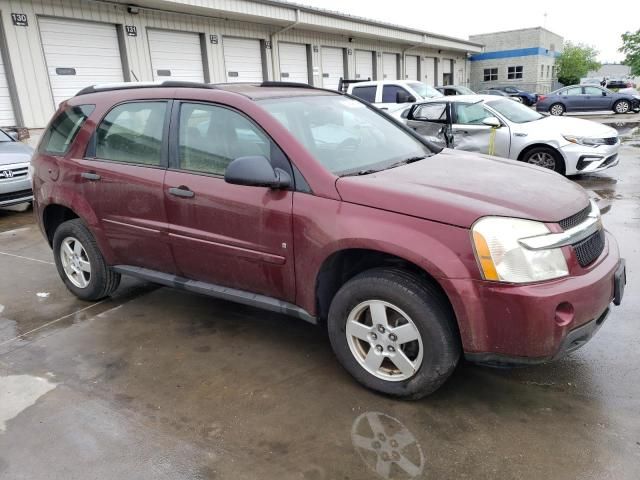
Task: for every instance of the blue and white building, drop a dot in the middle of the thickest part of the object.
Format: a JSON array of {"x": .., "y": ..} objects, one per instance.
[{"x": 523, "y": 58}]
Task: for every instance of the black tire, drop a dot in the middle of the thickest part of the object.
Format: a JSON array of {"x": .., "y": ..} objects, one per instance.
[
  {"x": 557, "y": 109},
  {"x": 427, "y": 309},
  {"x": 558, "y": 161},
  {"x": 622, "y": 107},
  {"x": 103, "y": 281}
]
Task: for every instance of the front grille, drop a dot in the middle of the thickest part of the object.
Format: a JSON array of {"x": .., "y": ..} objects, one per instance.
[
  {"x": 575, "y": 219},
  {"x": 7, "y": 197},
  {"x": 590, "y": 248},
  {"x": 12, "y": 173},
  {"x": 611, "y": 140}
]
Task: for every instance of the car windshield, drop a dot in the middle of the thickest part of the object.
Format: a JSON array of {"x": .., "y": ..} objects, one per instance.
[
  {"x": 4, "y": 137},
  {"x": 344, "y": 135},
  {"x": 424, "y": 90},
  {"x": 514, "y": 111}
]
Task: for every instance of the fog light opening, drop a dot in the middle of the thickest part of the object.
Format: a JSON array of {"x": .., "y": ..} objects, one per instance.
[{"x": 564, "y": 314}]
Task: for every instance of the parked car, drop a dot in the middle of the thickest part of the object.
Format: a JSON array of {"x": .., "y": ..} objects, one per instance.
[
  {"x": 318, "y": 205},
  {"x": 579, "y": 98},
  {"x": 497, "y": 93},
  {"x": 487, "y": 124},
  {"x": 392, "y": 94},
  {"x": 619, "y": 83},
  {"x": 524, "y": 97},
  {"x": 591, "y": 81},
  {"x": 15, "y": 179},
  {"x": 447, "y": 90}
]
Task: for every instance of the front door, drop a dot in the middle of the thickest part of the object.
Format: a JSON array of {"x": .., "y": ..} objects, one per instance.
[
  {"x": 470, "y": 134},
  {"x": 596, "y": 99},
  {"x": 122, "y": 179},
  {"x": 231, "y": 235},
  {"x": 432, "y": 121}
]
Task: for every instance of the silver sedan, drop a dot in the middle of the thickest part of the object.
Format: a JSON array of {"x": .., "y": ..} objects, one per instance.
[{"x": 15, "y": 179}]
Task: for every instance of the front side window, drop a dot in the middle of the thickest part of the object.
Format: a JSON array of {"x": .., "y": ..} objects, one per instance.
[
  {"x": 470, "y": 114},
  {"x": 431, "y": 112},
  {"x": 593, "y": 91},
  {"x": 344, "y": 135},
  {"x": 390, "y": 92},
  {"x": 132, "y": 133},
  {"x": 58, "y": 137},
  {"x": 514, "y": 73},
  {"x": 490, "y": 74},
  {"x": 368, "y": 94},
  {"x": 211, "y": 137}
]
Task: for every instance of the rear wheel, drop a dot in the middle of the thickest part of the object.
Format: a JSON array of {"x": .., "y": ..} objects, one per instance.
[
  {"x": 621, "y": 106},
  {"x": 80, "y": 264},
  {"x": 393, "y": 333},
  {"x": 557, "y": 109},
  {"x": 545, "y": 157}
]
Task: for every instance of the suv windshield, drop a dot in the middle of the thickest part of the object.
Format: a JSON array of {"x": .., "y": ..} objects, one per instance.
[
  {"x": 424, "y": 90},
  {"x": 343, "y": 134},
  {"x": 514, "y": 111}
]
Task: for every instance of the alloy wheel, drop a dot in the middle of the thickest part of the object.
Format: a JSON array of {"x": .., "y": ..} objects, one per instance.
[
  {"x": 543, "y": 159},
  {"x": 557, "y": 110},
  {"x": 75, "y": 262},
  {"x": 384, "y": 340},
  {"x": 622, "y": 107}
]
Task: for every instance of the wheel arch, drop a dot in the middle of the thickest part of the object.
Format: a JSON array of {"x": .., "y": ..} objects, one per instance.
[
  {"x": 53, "y": 216},
  {"x": 531, "y": 146}
]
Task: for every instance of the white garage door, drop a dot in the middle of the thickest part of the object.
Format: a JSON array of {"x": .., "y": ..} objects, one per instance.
[
  {"x": 411, "y": 67},
  {"x": 447, "y": 77},
  {"x": 332, "y": 66},
  {"x": 390, "y": 66},
  {"x": 176, "y": 55},
  {"x": 7, "y": 118},
  {"x": 429, "y": 71},
  {"x": 364, "y": 64},
  {"x": 293, "y": 62},
  {"x": 79, "y": 54},
  {"x": 242, "y": 60}
]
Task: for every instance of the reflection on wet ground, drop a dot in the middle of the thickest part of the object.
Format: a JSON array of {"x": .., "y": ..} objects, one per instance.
[{"x": 161, "y": 384}]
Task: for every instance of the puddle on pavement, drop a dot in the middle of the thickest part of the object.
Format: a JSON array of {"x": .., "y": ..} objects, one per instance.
[
  {"x": 629, "y": 132},
  {"x": 19, "y": 392}
]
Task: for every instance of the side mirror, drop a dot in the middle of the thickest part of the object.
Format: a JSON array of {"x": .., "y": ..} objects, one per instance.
[
  {"x": 256, "y": 171},
  {"x": 404, "y": 97},
  {"x": 604, "y": 94},
  {"x": 492, "y": 122}
]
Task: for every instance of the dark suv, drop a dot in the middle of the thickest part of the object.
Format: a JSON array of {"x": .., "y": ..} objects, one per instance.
[{"x": 314, "y": 204}]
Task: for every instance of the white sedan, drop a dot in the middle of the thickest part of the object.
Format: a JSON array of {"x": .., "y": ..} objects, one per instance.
[{"x": 500, "y": 127}]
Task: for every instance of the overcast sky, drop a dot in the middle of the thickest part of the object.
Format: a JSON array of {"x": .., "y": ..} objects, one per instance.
[{"x": 596, "y": 23}]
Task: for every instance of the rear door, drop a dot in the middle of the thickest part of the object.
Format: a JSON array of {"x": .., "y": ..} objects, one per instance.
[
  {"x": 470, "y": 134},
  {"x": 572, "y": 99},
  {"x": 122, "y": 179},
  {"x": 231, "y": 235}
]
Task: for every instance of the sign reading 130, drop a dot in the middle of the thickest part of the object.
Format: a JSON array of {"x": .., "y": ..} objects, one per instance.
[{"x": 20, "y": 19}]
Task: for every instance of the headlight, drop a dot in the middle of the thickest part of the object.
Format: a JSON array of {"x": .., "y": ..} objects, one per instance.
[
  {"x": 501, "y": 258},
  {"x": 586, "y": 141}
]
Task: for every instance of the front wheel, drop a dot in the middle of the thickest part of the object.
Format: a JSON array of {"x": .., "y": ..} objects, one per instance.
[
  {"x": 621, "y": 106},
  {"x": 393, "y": 333},
  {"x": 545, "y": 157},
  {"x": 80, "y": 264}
]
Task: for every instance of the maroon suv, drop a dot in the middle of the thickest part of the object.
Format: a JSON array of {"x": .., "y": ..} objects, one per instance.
[{"x": 317, "y": 205}]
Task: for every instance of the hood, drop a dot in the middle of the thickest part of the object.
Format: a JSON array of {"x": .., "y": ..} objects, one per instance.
[
  {"x": 566, "y": 126},
  {"x": 457, "y": 188},
  {"x": 14, "y": 152}
]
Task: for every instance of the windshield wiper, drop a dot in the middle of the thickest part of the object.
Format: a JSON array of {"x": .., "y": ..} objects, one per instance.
[
  {"x": 406, "y": 161},
  {"x": 393, "y": 165}
]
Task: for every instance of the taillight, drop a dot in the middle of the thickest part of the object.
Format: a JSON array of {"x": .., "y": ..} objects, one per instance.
[{"x": 541, "y": 97}]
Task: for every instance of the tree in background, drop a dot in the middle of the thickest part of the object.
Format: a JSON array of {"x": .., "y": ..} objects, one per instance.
[
  {"x": 631, "y": 48},
  {"x": 575, "y": 61}
]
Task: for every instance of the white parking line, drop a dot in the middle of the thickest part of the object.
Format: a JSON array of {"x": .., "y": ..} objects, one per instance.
[
  {"x": 53, "y": 322},
  {"x": 26, "y": 258}
]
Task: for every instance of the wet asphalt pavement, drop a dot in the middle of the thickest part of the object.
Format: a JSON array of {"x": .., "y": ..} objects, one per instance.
[{"x": 155, "y": 383}]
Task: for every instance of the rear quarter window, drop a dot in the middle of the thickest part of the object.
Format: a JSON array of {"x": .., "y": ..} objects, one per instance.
[
  {"x": 367, "y": 94},
  {"x": 64, "y": 128}
]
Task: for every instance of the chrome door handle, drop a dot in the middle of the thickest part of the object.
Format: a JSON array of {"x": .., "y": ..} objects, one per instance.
[
  {"x": 181, "y": 191},
  {"x": 94, "y": 177}
]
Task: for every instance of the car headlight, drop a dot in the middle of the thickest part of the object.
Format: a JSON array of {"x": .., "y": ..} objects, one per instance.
[
  {"x": 586, "y": 141},
  {"x": 502, "y": 258}
]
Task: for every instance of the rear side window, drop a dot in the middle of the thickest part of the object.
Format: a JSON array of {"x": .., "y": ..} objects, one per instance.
[
  {"x": 365, "y": 93},
  {"x": 64, "y": 128},
  {"x": 132, "y": 133}
]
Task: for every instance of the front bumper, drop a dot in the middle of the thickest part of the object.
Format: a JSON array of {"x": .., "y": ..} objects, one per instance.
[
  {"x": 580, "y": 159},
  {"x": 535, "y": 323},
  {"x": 16, "y": 188}
]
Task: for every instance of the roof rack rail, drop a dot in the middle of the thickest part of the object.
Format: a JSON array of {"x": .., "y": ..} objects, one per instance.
[
  {"x": 107, "y": 87},
  {"x": 273, "y": 83},
  {"x": 343, "y": 83}
]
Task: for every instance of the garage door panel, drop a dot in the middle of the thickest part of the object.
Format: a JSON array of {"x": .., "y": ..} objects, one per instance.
[
  {"x": 176, "y": 53},
  {"x": 332, "y": 66},
  {"x": 411, "y": 67},
  {"x": 390, "y": 66},
  {"x": 364, "y": 64},
  {"x": 90, "y": 49},
  {"x": 293, "y": 62},
  {"x": 243, "y": 59},
  {"x": 7, "y": 117}
]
